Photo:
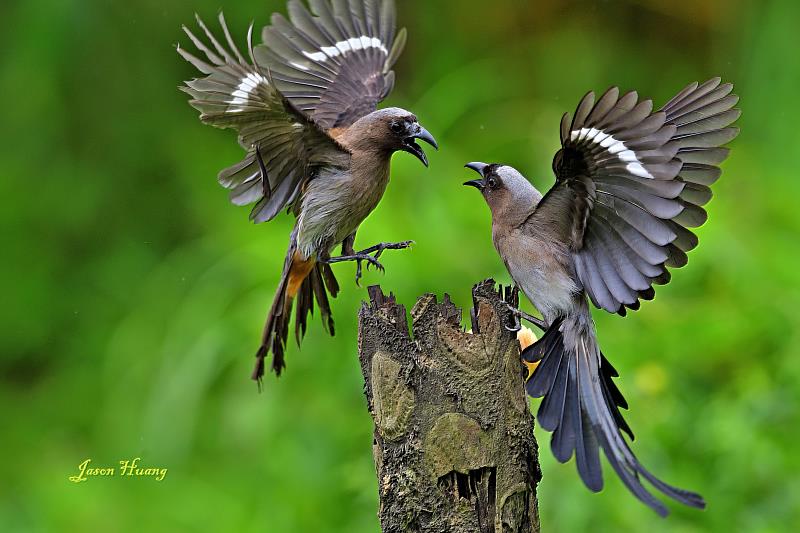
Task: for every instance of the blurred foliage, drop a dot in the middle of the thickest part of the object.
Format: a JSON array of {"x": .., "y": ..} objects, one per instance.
[{"x": 133, "y": 293}]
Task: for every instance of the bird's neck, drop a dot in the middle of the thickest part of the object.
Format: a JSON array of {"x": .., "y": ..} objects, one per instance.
[
  {"x": 512, "y": 215},
  {"x": 513, "y": 206},
  {"x": 370, "y": 166},
  {"x": 368, "y": 158}
]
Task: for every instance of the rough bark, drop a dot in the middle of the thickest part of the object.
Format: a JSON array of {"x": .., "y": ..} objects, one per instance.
[{"x": 453, "y": 443}]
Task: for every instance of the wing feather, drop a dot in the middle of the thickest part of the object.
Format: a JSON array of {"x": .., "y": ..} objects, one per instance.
[
  {"x": 238, "y": 94},
  {"x": 333, "y": 61},
  {"x": 638, "y": 180}
]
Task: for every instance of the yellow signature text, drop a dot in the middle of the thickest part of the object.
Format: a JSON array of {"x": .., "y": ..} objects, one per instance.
[{"x": 127, "y": 468}]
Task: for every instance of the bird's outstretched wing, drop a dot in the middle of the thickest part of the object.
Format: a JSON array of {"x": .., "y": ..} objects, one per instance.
[
  {"x": 239, "y": 94},
  {"x": 333, "y": 62},
  {"x": 630, "y": 182}
]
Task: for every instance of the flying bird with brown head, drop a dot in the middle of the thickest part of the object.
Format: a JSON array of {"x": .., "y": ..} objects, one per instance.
[
  {"x": 304, "y": 104},
  {"x": 630, "y": 183}
]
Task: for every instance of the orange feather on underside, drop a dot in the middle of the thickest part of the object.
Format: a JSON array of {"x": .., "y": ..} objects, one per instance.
[{"x": 298, "y": 272}]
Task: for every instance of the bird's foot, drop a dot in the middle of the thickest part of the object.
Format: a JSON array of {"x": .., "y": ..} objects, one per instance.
[
  {"x": 379, "y": 248},
  {"x": 516, "y": 325},
  {"x": 538, "y": 322},
  {"x": 370, "y": 255}
]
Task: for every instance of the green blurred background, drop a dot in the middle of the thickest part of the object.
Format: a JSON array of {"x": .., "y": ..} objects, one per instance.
[{"x": 134, "y": 294}]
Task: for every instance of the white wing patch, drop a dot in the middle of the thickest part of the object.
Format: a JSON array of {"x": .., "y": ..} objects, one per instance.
[
  {"x": 242, "y": 93},
  {"x": 348, "y": 45},
  {"x": 613, "y": 146}
]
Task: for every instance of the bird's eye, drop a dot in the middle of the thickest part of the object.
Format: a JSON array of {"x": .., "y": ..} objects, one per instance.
[
  {"x": 492, "y": 183},
  {"x": 396, "y": 127}
]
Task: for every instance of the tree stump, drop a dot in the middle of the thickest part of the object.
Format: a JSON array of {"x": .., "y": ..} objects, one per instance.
[{"x": 453, "y": 443}]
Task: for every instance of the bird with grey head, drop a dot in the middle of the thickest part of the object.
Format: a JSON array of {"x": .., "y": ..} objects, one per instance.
[
  {"x": 630, "y": 183},
  {"x": 304, "y": 104}
]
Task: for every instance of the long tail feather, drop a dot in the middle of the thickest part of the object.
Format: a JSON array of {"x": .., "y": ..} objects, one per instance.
[
  {"x": 303, "y": 280},
  {"x": 581, "y": 406}
]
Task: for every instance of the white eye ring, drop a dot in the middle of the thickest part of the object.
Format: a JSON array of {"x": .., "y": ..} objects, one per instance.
[
  {"x": 492, "y": 183},
  {"x": 396, "y": 127}
]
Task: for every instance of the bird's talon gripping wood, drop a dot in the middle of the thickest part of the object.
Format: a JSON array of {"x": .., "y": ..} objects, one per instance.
[
  {"x": 304, "y": 103},
  {"x": 538, "y": 322},
  {"x": 629, "y": 184},
  {"x": 516, "y": 326}
]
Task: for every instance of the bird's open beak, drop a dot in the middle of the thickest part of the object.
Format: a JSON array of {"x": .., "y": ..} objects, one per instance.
[
  {"x": 410, "y": 145},
  {"x": 479, "y": 168}
]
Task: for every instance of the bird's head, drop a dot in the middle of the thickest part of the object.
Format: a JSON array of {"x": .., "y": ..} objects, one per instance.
[
  {"x": 394, "y": 129},
  {"x": 505, "y": 190}
]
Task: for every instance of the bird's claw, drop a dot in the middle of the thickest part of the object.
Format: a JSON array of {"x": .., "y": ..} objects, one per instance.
[
  {"x": 370, "y": 255},
  {"x": 517, "y": 324},
  {"x": 382, "y": 247},
  {"x": 371, "y": 260}
]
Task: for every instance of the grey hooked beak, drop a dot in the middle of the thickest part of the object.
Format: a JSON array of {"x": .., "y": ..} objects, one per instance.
[
  {"x": 479, "y": 168},
  {"x": 410, "y": 145}
]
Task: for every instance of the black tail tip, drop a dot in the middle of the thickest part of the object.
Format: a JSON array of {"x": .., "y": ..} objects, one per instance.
[
  {"x": 258, "y": 371},
  {"x": 689, "y": 499}
]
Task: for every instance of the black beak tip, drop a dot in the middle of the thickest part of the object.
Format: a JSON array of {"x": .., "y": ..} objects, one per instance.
[
  {"x": 416, "y": 150},
  {"x": 477, "y": 167},
  {"x": 425, "y": 135},
  {"x": 478, "y": 184}
]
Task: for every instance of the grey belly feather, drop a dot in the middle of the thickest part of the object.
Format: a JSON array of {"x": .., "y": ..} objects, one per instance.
[
  {"x": 540, "y": 270},
  {"x": 334, "y": 205}
]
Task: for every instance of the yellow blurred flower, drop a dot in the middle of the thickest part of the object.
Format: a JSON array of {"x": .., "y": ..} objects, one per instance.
[{"x": 526, "y": 337}]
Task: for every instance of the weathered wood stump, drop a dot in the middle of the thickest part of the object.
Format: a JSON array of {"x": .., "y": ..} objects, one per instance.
[{"x": 453, "y": 443}]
